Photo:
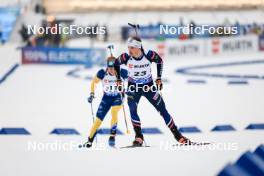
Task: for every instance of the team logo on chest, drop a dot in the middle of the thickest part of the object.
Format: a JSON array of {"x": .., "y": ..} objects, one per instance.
[
  {"x": 109, "y": 79},
  {"x": 141, "y": 65},
  {"x": 105, "y": 81}
]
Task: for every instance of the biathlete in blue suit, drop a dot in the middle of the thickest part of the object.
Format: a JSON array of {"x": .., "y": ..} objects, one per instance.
[
  {"x": 112, "y": 99},
  {"x": 140, "y": 83}
]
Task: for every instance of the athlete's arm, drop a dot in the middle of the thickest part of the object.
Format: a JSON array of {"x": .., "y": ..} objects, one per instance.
[
  {"x": 154, "y": 57},
  {"x": 99, "y": 76},
  {"x": 122, "y": 59},
  {"x": 95, "y": 81},
  {"x": 123, "y": 74}
]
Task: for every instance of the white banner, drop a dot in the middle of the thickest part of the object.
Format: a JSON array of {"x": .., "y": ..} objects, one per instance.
[
  {"x": 192, "y": 48},
  {"x": 185, "y": 48},
  {"x": 232, "y": 45}
]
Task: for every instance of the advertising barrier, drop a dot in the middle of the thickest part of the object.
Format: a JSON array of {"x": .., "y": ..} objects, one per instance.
[
  {"x": 232, "y": 45},
  {"x": 45, "y": 55},
  {"x": 184, "y": 48},
  {"x": 170, "y": 48},
  {"x": 218, "y": 46}
]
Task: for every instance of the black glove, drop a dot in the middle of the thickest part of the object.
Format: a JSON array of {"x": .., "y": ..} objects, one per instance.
[
  {"x": 119, "y": 85},
  {"x": 159, "y": 84},
  {"x": 90, "y": 99},
  {"x": 123, "y": 95}
]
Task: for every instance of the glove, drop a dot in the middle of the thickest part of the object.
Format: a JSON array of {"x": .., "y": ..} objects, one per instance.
[
  {"x": 123, "y": 95},
  {"x": 90, "y": 99},
  {"x": 119, "y": 85},
  {"x": 159, "y": 84}
]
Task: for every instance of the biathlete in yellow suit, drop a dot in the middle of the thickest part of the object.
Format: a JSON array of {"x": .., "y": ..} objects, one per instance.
[{"x": 112, "y": 99}]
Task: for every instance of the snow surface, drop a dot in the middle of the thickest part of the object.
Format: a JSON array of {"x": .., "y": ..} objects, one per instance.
[{"x": 42, "y": 97}]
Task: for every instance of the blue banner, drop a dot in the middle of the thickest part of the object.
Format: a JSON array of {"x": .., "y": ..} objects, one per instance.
[
  {"x": 8, "y": 17},
  {"x": 46, "y": 55},
  {"x": 261, "y": 43}
]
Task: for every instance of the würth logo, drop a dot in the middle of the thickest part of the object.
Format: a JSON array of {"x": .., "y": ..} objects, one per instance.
[{"x": 215, "y": 46}]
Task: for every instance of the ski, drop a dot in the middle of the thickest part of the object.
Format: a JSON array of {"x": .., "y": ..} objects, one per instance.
[
  {"x": 133, "y": 146},
  {"x": 81, "y": 146},
  {"x": 193, "y": 143}
]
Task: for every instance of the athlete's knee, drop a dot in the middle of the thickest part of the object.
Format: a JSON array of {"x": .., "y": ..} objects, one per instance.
[
  {"x": 115, "y": 110},
  {"x": 100, "y": 116},
  {"x": 161, "y": 107},
  {"x": 132, "y": 105}
]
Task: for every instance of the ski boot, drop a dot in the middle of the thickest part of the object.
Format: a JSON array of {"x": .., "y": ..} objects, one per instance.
[
  {"x": 111, "y": 140},
  {"x": 139, "y": 139},
  {"x": 179, "y": 137},
  {"x": 89, "y": 143}
]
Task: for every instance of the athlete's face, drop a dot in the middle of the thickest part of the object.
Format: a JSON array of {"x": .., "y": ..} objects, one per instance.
[
  {"x": 134, "y": 52},
  {"x": 111, "y": 70}
]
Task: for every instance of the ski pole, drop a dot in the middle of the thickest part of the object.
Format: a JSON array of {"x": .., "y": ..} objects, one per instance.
[
  {"x": 124, "y": 112},
  {"x": 93, "y": 121},
  {"x": 135, "y": 27}
]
